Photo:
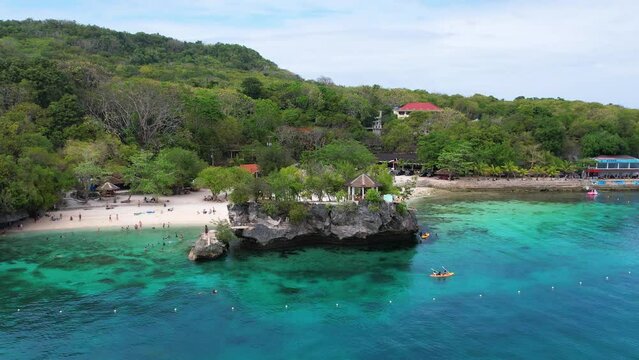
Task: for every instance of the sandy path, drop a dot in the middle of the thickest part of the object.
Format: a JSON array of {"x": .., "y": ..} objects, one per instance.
[{"x": 95, "y": 215}]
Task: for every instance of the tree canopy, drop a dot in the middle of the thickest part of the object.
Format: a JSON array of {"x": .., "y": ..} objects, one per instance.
[{"x": 79, "y": 103}]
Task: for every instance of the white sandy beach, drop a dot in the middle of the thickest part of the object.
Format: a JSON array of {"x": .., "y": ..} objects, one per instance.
[{"x": 187, "y": 211}]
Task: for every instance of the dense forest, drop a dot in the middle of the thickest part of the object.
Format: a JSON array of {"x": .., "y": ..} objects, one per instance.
[{"x": 80, "y": 104}]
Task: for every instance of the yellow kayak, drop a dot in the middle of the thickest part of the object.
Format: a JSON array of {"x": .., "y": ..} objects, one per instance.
[
  {"x": 449, "y": 274},
  {"x": 425, "y": 236}
]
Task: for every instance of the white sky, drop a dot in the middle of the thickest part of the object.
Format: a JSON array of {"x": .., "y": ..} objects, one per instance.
[{"x": 574, "y": 49}]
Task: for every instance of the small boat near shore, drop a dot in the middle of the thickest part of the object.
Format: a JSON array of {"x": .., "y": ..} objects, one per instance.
[
  {"x": 441, "y": 274},
  {"x": 444, "y": 275},
  {"x": 425, "y": 235},
  {"x": 593, "y": 192}
]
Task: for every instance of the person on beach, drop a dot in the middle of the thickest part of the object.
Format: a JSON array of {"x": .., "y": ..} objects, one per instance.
[
  {"x": 79, "y": 217},
  {"x": 206, "y": 229},
  {"x": 109, "y": 218},
  {"x": 117, "y": 218},
  {"x": 140, "y": 223},
  {"x": 70, "y": 218}
]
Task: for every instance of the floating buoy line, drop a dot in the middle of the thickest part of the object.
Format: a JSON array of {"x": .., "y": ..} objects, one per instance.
[{"x": 337, "y": 305}]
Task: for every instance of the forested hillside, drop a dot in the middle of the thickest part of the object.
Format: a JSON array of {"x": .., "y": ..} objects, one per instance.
[{"x": 80, "y": 103}]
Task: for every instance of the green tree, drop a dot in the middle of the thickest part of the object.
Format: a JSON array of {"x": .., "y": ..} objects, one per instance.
[
  {"x": 183, "y": 164},
  {"x": 146, "y": 176},
  {"x": 252, "y": 87},
  {"x": 457, "y": 158},
  {"x": 222, "y": 179},
  {"x": 346, "y": 151},
  {"x": 286, "y": 184},
  {"x": 88, "y": 173},
  {"x": 603, "y": 143}
]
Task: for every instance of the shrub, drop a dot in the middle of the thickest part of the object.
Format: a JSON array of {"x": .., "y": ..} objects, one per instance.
[
  {"x": 224, "y": 232},
  {"x": 401, "y": 208},
  {"x": 269, "y": 208},
  {"x": 373, "y": 196},
  {"x": 241, "y": 194},
  {"x": 297, "y": 213},
  {"x": 349, "y": 207}
]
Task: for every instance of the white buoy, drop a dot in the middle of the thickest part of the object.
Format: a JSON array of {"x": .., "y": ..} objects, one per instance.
[
  {"x": 174, "y": 309},
  {"x": 115, "y": 311},
  {"x": 480, "y": 295},
  {"x": 433, "y": 299},
  {"x": 580, "y": 283},
  {"x": 18, "y": 310},
  {"x": 606, "y": 278},
  {"x": 552, "y": 288},
  {"x": 285, "y": 306},
  {"x": 336, "y": 305},
  {"x": 518, "y": 291},
  {"x": 629, "y": 272},
  {"x": 390, "y": 301},
  {"x": 60, "y": 311}
]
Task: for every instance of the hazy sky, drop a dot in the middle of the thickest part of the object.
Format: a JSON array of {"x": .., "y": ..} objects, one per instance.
[{"x": 574, "y": 49}]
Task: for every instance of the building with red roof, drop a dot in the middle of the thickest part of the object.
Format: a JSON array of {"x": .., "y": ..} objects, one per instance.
[
  {"x": 254, "y": 169},
  {"x": 406, "y": 110}
]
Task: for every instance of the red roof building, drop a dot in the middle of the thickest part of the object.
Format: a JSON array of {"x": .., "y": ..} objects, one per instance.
[
  {"x": 254, "y": 169},
  {"x": 407, "y": 109}
]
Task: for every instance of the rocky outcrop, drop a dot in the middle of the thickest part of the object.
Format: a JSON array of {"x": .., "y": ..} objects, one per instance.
[
  {"x": 207, "y": 247},
  {"x": 339, "y": 224}
]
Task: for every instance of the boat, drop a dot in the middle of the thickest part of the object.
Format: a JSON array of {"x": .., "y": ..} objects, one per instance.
[
  {"x": 425, "y": 236},
  {"x": 448, "y": 274},
  {"x": 593, "y": 192}
]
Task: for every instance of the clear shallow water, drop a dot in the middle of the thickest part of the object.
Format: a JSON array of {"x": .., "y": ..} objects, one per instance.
[{"x": 497, "y": 245}]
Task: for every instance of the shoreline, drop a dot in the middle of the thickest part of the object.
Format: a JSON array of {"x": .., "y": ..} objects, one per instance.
[{"x": 187, "y": 210}]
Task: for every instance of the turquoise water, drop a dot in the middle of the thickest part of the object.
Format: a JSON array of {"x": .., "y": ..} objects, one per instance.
[{"x": 340, "y": 303}]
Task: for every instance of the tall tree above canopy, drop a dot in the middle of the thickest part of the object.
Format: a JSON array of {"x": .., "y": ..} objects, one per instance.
[
  {"x": 142, "y": 109},
  {"x": 347, "y": 151}
]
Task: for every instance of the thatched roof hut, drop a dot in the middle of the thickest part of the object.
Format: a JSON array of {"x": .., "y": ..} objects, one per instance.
[{"x": 108, "y": 189}]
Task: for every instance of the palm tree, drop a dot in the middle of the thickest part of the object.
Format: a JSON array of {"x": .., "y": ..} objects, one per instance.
[{"x": 510, "y": 169}]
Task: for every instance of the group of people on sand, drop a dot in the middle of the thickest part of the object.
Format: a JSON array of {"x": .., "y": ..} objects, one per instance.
[{"x": 204, "y": 211}]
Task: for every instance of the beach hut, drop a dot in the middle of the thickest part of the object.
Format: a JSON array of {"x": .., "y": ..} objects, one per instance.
[
  {"x": 357, "y": 188},
  {"x": 108, "y": 189}
]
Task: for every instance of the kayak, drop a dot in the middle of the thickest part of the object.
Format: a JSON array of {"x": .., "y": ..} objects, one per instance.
[
  {"x": 425, "y": 236},
  {"x": 449, "y": 274}
]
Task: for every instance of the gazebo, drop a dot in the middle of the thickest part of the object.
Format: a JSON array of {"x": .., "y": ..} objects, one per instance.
[
  {"x": 358, "y": 186},
  {"x": 108, "y": 189}
]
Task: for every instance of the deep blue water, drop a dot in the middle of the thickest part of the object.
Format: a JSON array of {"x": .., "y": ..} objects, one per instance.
[{"x": 519, "y": 262}]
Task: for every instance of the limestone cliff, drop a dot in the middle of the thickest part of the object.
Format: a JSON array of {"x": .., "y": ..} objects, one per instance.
[{"x": 339, "y": 224}]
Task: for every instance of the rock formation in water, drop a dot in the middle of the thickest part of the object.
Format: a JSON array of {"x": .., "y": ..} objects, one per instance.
[
  {"x": 339, "y": 224},
  {"x": 207, "y": 247}
]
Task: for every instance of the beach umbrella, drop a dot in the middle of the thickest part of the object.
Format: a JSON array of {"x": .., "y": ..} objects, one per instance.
[{"x": 107, "y": 186}]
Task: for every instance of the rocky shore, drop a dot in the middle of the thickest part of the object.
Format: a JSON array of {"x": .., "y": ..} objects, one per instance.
[
  {"x": 207, "y": 247},
  {"x": 325, "y": 223}
]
